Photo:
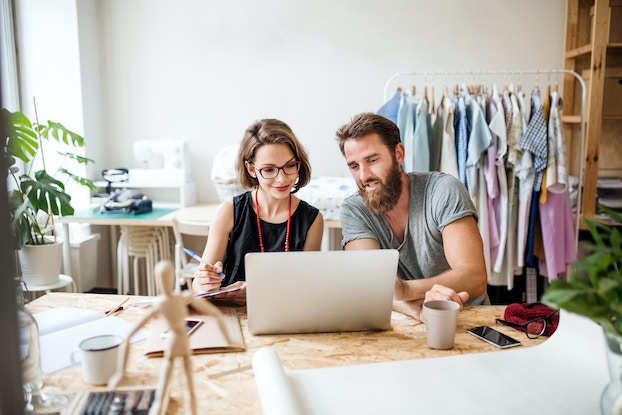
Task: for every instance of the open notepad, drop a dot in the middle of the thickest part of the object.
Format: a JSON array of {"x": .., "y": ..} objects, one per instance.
[
  {"x": 61, "y": 329},
  {"x": 207, "y": 338}
]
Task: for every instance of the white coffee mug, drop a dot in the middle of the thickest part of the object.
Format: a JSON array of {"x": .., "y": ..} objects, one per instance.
[
  {"x": 98, "y": 358},
  {"x": 441, "y": 317}
]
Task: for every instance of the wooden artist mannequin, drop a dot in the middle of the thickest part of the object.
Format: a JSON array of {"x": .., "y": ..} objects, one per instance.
[{"x": 174, "y": 309}]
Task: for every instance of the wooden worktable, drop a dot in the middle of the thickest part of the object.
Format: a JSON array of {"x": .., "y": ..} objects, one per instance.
[{"x": 224, "y": 381}]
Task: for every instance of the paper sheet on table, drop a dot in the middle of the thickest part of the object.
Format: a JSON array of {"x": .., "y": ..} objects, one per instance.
[
  {"x": 275, "y": 389},
  {"x": 564, "y": 375},
  {"x": 60, "y": 318},
  {"x": 56, "y": 347}
]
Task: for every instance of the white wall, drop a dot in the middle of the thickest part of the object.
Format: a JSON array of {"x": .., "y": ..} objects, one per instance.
[{"x": 204, "y": 70}]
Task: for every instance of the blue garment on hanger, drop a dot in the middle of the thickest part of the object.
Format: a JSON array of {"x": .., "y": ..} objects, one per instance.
[
  {"x": 531, "y": 260},
  {"x": 535, "y": 139},
  {"x": 390, "y": 108},
  {"x": 421, "y": 139},
  {"x": 462, "y": 135}
]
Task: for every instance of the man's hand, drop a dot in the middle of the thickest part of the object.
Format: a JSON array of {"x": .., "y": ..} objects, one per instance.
[
  {"x": 440, "y": 292},
  {"x": 414, "y": 309}
]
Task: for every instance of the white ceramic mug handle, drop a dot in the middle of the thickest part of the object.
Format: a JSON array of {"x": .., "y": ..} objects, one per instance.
[{"x": 73, "y": 358}]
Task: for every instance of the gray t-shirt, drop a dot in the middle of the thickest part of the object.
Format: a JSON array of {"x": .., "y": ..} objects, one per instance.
[{"x": 436, "y": 200}]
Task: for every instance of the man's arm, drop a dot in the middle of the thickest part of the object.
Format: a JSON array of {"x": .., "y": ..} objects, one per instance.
[
  {"x": 464, "y": 251},
  {"x": 366, "y": 243}
]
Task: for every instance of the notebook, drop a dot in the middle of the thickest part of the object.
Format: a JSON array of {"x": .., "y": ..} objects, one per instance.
[
  {"x": 207, "y": 338},
  {"x": 320, "y": 291}
]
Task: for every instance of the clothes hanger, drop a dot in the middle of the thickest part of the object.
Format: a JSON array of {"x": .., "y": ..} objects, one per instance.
[
  {"x": 423, "y": 98},
  {"x": 446, "y": 97}
]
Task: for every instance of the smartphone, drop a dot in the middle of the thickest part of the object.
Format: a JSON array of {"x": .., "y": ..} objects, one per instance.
[
  {"x": 494, "y": 337},
  {"x": 191, "y": 326}
]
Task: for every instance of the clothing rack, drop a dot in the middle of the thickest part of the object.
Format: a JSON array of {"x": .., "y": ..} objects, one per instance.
[{"x": 518, "y": 73}]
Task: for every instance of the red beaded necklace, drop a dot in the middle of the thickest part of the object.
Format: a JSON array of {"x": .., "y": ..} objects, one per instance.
[{"x": 289, "y": 219}]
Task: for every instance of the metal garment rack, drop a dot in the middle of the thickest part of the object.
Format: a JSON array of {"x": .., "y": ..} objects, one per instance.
[{"x": 477, "y": 76}]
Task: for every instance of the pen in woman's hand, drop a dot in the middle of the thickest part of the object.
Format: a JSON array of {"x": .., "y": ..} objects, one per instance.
[{"x": 194, "y": 255}]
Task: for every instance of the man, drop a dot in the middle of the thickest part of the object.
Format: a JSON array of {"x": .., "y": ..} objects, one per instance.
[{"x": 428, "y": 217}]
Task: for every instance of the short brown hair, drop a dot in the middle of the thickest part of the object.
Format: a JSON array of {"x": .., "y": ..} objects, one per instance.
[
  {"x": 270, "y": 131},
  {"x": 367, "y": 123}
]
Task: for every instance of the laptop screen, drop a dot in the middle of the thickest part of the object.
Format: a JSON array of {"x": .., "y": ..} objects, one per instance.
[{"x": 320, "y": 291}]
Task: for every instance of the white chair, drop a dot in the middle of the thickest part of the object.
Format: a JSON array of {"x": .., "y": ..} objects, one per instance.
[
  {"x": 192, "y": 235},
  {"x": 137, "y": 243}
]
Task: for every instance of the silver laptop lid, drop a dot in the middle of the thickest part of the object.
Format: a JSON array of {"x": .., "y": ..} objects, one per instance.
[{"x": 320, "y": 291}]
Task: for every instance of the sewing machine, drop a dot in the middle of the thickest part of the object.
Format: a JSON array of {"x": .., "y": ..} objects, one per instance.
[
  {"x": 161, "y": 161},
  {"x": 163, "y": 173}
]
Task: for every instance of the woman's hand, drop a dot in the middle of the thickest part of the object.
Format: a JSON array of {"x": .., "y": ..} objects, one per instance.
[{"x": 207, "y": 278}]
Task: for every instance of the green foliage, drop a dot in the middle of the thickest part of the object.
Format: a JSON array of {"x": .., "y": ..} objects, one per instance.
[
  {"x": 594, "y": 286},
  {"x": 41, "y": 194}
]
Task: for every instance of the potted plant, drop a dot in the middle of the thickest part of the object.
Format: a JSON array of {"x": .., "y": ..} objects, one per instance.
[
  {"x": 594, "y": 290},
  {"x": 35, "y": 197}
]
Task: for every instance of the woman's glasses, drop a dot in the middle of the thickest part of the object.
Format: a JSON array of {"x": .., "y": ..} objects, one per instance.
[
  {"x": 271, "y": 172},
  {"x": 533, "y": 328}
]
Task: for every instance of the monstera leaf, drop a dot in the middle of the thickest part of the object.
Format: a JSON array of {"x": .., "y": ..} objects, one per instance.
[{"x": 35, "y": 198}]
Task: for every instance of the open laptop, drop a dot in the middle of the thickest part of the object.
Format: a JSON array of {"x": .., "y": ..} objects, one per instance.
[{"x": 320, "y": 291}]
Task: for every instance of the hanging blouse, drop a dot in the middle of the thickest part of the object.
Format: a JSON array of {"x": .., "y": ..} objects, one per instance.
[
  {"x": 556, "y": 169},
  {"x": 448, "y": 159}
]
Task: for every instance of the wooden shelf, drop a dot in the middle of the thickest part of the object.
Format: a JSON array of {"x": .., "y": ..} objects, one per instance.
[
  {"x": 589, "y": 23},
  {"x": 571, "y": 119},
  {"x": 596, "y": 218},
  {"x": 574, "y": 53}
]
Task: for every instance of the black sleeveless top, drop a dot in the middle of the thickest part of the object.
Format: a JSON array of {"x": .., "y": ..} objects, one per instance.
[{"x": 244, "y": 237}]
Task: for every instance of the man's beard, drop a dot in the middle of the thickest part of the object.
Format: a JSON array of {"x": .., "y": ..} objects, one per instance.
[{"x": 385, "y": 197}]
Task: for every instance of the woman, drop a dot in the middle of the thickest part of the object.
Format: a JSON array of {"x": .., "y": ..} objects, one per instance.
[{"x": 269, "y": 217}]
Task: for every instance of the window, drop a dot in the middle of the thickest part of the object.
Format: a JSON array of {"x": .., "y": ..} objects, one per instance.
[{"x": 8, "y": 57}]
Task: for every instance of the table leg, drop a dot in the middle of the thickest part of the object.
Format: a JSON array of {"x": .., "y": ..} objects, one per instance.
[
  {"x": 66, "y": 250},
  {"x": 113, "y": 252}
]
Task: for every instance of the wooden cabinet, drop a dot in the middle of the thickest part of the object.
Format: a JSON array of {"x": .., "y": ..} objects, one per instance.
[{"x": 593, "y": 48}]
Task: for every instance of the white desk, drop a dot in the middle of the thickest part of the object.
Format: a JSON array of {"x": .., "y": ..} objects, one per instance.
[
  {"x": 159, "y": 217},
  {"x": 564, "y": 375},
  {"x": 163, "y": 217}
]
